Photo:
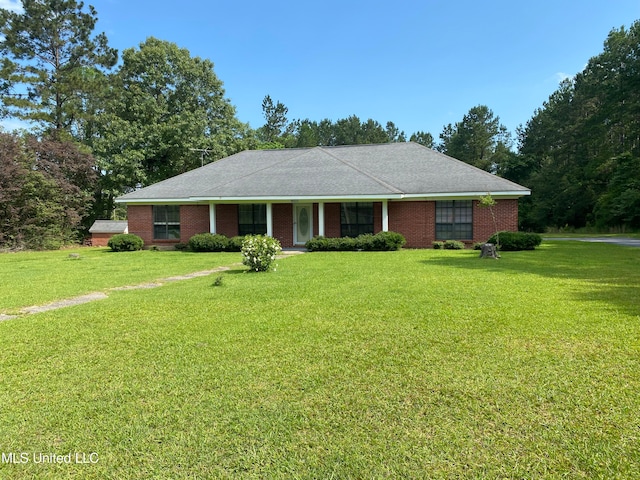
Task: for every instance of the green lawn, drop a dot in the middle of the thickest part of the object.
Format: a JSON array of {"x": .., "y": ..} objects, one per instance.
[
  {"x": 410, "y": 364},
  {"x": 31, "y": 278}
]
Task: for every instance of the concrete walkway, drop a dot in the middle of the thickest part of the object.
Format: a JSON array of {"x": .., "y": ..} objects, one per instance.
[
  {"x": 91, "y": 297},
  {"x": 625, "y": 241}
]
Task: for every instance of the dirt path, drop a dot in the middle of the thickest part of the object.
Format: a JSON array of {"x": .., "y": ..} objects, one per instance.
[{"x": 92, "y": 297}]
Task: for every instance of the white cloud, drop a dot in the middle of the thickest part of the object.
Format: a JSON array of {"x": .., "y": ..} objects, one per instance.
[{"x": 13, "y": 5}]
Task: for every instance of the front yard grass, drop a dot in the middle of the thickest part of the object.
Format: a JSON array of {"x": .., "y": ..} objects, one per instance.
[
  {"x": 32, "y": 278},
  {"x": 410, "y": 364}
]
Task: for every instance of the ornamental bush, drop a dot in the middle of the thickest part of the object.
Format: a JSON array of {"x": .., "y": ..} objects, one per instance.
[
  {"x": 388, "y": 241},
  {"x": 448, "y": 245},
  {"x": 208, "y": 242},
  {"x": 514, "y": 241},
  {"x": 235, "y": 244},
  {"x": 125, "y": 242},
  {"x": 382, "y": 241},
  {"x": 259, "y": 252},
  {"x": 214, "y": 242},
  {"x": 453, "y": 245}
]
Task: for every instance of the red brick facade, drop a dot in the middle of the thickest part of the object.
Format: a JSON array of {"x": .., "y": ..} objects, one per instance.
[
  {"x": 227, "y": 220},
  {"x": 193, "y": 219},
  {"x": 283, "y": 223},
  {"x": 506, "y": 214},
  {"x": 100, "y": 239},
  {"x": 140, "y": 219},
  {"x": 413, "y": 219}
]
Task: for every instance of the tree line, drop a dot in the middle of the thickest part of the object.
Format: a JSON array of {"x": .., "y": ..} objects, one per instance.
[{"x": 100, "y": 127}]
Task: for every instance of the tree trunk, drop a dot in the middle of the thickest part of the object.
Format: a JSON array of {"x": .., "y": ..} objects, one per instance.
[{"x": 488, "y": 250}]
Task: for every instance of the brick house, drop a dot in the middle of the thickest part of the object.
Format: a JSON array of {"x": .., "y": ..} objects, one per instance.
[{"x": 295, "y": 194}]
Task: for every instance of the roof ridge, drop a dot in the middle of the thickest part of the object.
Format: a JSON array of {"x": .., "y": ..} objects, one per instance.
[
  {"x": 391, "y": 187},
  {"x": 266, "y": 167}
]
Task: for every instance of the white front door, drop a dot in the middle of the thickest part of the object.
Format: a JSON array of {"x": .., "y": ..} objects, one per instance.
[{"x": 302, "y": 223}]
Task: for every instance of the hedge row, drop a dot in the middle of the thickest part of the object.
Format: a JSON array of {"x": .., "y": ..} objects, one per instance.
[
  {"x": 448, "y": 245},
  {"x": 214, "y": 242},
  {"x": 514, "y": 241},
  {"x": 382, "y": 241}
]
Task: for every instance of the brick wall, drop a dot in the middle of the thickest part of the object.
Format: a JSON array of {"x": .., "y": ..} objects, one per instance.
[
  {"x": 227, "y": 220},
  {"x": 193, "y": 219},
  {"x": 331, "y": 220},
  {"x": 282, "y": 214},
  {"x": 506, "y": 213},
  {"x": 377, "y": 217},
  {"x": 414, "y": 220},
  {"x": 100, "y": 239},
  {"x": 140, "y": 219}
]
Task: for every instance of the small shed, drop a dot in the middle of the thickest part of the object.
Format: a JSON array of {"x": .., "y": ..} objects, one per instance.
[{"x": 102, "y": 230}]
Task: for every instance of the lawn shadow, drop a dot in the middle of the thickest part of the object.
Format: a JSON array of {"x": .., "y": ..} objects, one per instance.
[{"x": 612, "y": 271}]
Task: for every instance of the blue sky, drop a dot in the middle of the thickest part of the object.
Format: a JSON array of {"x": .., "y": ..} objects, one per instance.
[{"x": 421, "y": 64}]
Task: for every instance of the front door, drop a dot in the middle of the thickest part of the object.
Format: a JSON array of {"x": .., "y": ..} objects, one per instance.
[{"x": 302, "y": 223}]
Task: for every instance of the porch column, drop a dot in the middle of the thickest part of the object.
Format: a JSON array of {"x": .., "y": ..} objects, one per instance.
[
  {"x": 321, "y": 219},
  {"x": 385, "y": 215},
  {"x": 270, "y": 219},
  {"x": 212, "y": 218}
]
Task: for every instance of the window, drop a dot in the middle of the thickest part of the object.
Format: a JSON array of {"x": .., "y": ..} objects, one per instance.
[
  {"x": 356, "y": 218},
  {"x": 454, "y": 220},
  {"x": 166, "y": 222},
  {"x": 252, "y": 219}
]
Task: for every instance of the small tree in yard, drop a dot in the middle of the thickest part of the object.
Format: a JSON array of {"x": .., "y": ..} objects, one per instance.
[
  {"x": 487, "y": 201},
  {"x": 259, "y": 252},
  {"x": 488, "y": 250}
]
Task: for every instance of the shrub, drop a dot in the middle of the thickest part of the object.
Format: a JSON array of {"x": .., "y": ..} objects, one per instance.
[
  {"x": 388, "y": 241},
  {"x": 318, "y": 244},
  {"x": 235, "y": 244},
  {"x": 382, "y": 241},
  {"x": 208, "y": 242},
  {"x": 514, "y": 241},
  {"x": 259, "y": 252},
  {"x": 181, "y": 246},
  {"x": 448, "y": 245},
  {"x": 364, "y": 242},
  {"x": 324, "y": 244},
  {"x": 125, "y": 242},
  {"x": 453, "y": 245}
]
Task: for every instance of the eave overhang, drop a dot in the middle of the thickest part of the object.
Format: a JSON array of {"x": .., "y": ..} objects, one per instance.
[{"x": 324, "y": 198}]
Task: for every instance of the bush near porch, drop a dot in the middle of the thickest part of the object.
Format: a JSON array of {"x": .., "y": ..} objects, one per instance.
[{"x": 382, "y": 241}]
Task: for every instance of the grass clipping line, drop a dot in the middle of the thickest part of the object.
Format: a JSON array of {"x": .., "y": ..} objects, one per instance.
[
  {"x": 94, "y": 296},
  {"x": 91, "y": 297}
]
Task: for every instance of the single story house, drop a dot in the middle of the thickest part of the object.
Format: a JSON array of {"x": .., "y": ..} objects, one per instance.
[
  {"x": 295, "y": 194},
  {"x": 102, "y": 230}
]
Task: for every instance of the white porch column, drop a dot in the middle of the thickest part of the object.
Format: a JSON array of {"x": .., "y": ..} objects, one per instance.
[
  {"x": 270, "y": 219},
  {"x": 385, "y": 215},
  {"x": 321, "y": 219},
  {"x": 212, "y": 218}
]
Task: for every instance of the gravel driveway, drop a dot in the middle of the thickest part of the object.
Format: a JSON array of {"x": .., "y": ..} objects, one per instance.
[{"x": 627, "y": 242}]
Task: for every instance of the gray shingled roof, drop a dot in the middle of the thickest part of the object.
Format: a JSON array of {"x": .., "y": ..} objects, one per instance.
[
  {"x": 109, "y": 226},
  {"x": 393, "y": 170}
]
